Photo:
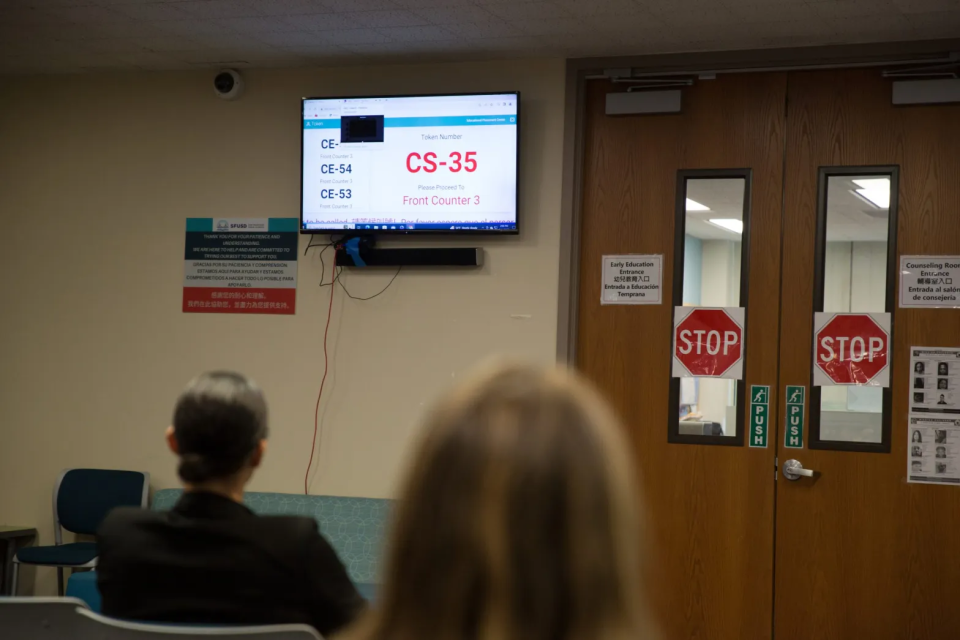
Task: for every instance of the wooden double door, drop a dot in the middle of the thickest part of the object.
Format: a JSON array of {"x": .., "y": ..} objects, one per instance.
[{"x": 738, "y": 551}]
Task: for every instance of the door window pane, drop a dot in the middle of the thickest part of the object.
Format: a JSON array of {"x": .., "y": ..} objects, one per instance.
[
  {"x": 713, "y": 225},
  {"x": 855, "y": 279}
]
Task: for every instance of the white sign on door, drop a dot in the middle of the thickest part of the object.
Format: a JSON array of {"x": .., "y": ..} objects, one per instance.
[
  {"x": 933, "y": 423},
  {"x": 632, "y": 279},
  {"x": 930, "y": 281}
]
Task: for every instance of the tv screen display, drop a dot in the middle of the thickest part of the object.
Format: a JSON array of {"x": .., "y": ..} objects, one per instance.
[{"x": 410, "y": 164}]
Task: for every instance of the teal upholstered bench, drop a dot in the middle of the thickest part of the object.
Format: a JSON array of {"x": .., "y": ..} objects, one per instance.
[{"x": 354, "y": 526}]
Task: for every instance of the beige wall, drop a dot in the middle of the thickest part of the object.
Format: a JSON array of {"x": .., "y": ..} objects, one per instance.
[{"x": 98, "y": 172}]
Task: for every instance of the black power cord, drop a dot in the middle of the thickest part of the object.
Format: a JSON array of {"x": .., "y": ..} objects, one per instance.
[
  {"x": 339, "y": 271},
  {"x": 350, "y": 295},
  {"x": 323, "y": 266}
]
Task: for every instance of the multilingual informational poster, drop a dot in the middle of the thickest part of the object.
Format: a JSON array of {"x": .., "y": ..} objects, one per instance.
[
  {"x": 933, "y": 430},
  {"x": 241, "y": 265},
  {"x": 930, "y": 281},
  {"x": 632, "y": 279}
]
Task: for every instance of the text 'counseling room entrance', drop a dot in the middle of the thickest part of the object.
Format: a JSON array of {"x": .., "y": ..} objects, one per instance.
[{"x": 776, "y": 322}]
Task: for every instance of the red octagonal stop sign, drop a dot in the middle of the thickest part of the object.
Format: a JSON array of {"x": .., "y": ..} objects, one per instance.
[
  {"x": 708, "y": 342},
  {"x": 851, "y": 348}
]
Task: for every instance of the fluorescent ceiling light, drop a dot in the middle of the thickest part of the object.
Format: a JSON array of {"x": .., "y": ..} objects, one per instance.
[
  {"x": 693, "y": 205},
  {"x": 730, "y": 224},
  {"x": 875, "y": 190}
]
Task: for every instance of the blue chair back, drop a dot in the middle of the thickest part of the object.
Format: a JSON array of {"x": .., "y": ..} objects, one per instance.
[
  {"x": 84, "y": 497},
  {"x": 83, "y": 586}
]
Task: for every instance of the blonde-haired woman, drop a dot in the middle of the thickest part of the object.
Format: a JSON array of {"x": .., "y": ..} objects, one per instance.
[{"x": 518, "y": 520}]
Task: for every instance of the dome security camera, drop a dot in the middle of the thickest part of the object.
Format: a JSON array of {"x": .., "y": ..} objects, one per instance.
[{"x": 228, "y": 84}]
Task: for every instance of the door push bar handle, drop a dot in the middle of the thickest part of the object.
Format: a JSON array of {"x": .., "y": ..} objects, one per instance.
[{"x": 792, "y": 470}]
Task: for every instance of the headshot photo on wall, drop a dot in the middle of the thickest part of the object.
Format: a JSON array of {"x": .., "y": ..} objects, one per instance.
[
  {"x": 918, "y": 382},
  {"x": 943, "y": 369},
  {"x": 916, "y": 452},
  {"x": 941, "y": 467},
  {"x": 940, "y": 436},
  {"x": 942, "y": 400},
  {"x": 917, "y": 436},
  {"x": 916, "y": 466},
  {"x": 920, "y": 368},
  {"x": 941, "y": 383},
  {"x": 941, "y": 452},
  {"x": 918, "y": 398}
]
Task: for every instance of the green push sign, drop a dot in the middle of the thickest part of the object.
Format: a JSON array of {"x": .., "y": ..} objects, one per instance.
[
  {"x": 794, "y": 425},
  {"x": 759, "y": 415}
]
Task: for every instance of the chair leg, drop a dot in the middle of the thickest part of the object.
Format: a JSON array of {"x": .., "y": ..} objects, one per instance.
[
  {"x": 60, "y": 581},
  {"x": 14, "y": 579}
]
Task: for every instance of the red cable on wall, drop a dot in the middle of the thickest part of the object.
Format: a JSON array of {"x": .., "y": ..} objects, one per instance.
[{"x": 316, "y": 412}]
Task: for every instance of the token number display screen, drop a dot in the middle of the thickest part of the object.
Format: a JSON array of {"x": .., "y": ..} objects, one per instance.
[{"x": 444, "y": 163}]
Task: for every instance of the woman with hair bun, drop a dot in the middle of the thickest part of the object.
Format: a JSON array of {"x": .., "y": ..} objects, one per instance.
[{"x": 210, "y": 559}]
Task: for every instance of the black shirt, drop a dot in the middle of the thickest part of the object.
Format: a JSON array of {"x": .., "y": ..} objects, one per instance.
[{"x": 212, "y": 560}]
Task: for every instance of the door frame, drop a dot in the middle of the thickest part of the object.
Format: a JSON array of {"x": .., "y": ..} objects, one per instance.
[{"x": 581, "y": 70}]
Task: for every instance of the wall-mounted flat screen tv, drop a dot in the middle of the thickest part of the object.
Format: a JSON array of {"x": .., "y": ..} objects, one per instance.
[{"x": 410, "y": 164}]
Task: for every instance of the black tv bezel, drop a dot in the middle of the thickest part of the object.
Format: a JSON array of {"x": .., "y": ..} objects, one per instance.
[{"x": 415, "y": 232}]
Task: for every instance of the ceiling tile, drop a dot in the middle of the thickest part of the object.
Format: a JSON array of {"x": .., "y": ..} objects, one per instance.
[
  {"x": 936, "y": 31},
  {"x": 221, "y": 8},
  {"x": 926, "y": 6},
  {"x": 35, "y": 64},
  {"x": 313, "y": 48},
  {"x": 754, "y": 11},
  {"x": 393, "y": 18},
  {"x": 659, "y": 6},
  {"x": 43, "y": 4},
  {"x": 517, "y": 43},
  {"x": 257, "y": 24},
  {"x": 213, "y": 58},
  {"x": 91, "y": 15},
  {"x": 152, "y": 11},
  {"x": 359, "y": 5},
  {"x": 195, "y": 28},
  {"x": 633, "y": 22},
  {"x": 893, "y": 24},
  {"x": 435, "y": 4},
  {"x": 40, "y": 32},
  {"x": 291, "y": 7},
  {"x": 550, "y": 26},
  {"x": 92, "y": 60},
  {"x": 150, "y": 60},
  {"x": 417, "y": 34},
  {"x": 290, "y": 39},
  {"x": 170, "y": 43},
  {"x": 427, "y": 46},
  {"x": 321, "y": 22},
  {"x": 350, "y": 36},
  {"x": 230, "y": 40},
  {"x": 456, "y": 15},
  {"x": 113, "y": 45},
  {"x": 844, "y": 9},
  {"x": 586, "y": 8},
  {"x": 37, "y": 35},
  {"x": 941, "y": 19},
  {"x": 23, "y": 16},
  {"x": 118, "y": 2},
  {"x": 127, "y": 29},
  {"x": 712, "y": 17},
  {"x": 477, "y": 30},
  {"x": 791, "y": 28},
  {"x": 26, "y": 45},
  {"x": 527, "y": 10}
]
